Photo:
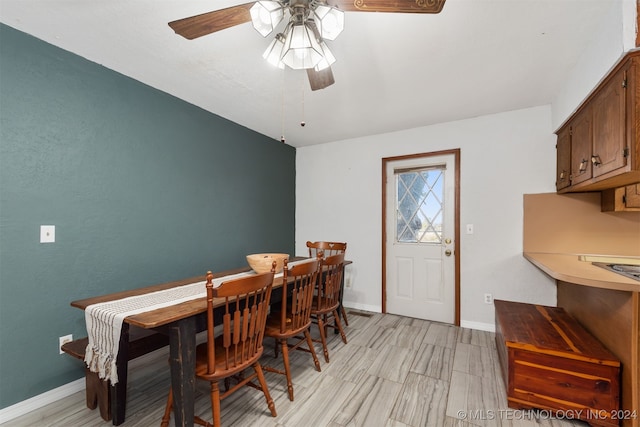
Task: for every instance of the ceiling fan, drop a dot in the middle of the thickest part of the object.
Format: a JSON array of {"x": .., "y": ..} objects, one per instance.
[{"x": 302, "y": 44}]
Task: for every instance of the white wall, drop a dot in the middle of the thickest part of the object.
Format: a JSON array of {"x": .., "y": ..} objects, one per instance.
[
  {"x": 616, "y": 35},
  {"x": 503, "y": 156}
]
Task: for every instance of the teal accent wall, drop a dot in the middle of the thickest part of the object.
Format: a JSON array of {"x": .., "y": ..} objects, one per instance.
[{"x": 143, "y": 188}]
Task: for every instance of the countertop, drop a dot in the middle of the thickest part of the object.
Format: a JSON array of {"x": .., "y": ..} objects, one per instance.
[{"x": 568, "y": 268}]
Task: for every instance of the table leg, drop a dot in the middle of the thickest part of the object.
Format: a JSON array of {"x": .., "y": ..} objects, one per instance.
[
  {"x": 182, "y": 346},
  {"x": 340, "y": 307},
  {"x": 119, "y": 390}
]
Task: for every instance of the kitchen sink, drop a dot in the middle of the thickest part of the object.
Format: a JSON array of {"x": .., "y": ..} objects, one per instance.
[
  {"x": 610, "y": 259},
  {"x": 627, "y": 270},
  {"x": 625, "y": 266}
]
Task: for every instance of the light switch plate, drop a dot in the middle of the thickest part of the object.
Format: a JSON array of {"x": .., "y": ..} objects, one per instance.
[{"x": 47, "y": 233}]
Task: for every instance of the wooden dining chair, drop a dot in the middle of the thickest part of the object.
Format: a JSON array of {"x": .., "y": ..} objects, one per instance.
[
  {"x": 293, "y": 317},
  {"x": 324, "y": 310},
  {"x": 245, "y": 303},
  {"x": 328, "y": 249}
]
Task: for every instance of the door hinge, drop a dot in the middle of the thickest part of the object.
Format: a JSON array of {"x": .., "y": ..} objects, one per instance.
[
  {"x": 625, "y": 152},
  {"x": 624, "y": 83}
]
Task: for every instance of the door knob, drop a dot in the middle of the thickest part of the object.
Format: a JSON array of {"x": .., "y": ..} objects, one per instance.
[{"x": 447, "y": 252}]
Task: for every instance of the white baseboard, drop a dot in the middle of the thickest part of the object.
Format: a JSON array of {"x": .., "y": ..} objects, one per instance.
[
  {"x": 489, "y": 327},
  {"x": 363, "y": 307},
  {"x": 37, "y": 402}
]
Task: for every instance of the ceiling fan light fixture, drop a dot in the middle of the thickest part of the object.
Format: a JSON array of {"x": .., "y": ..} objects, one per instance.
[
  {"x": 266, "y": 15},
  {"x": 327, "y": 58},
  {"x": 273, "y": 54},
  {"x": 301, "y": 48},
  {"x": 329, "y": 20}
]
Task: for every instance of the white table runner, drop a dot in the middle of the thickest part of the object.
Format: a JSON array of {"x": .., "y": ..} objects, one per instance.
[{"x": 104, "y": 320}]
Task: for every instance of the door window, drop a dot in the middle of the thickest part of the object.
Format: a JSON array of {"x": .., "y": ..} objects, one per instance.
[{"x": 419, "y": 205}]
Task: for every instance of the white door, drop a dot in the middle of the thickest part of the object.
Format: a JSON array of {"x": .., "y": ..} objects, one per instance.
[{"x": 420, "y": 232}]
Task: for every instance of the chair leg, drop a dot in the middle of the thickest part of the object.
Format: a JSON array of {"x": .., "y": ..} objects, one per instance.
[
  {"x": 263, "y": 384},
  {"x": 312, "y": 350},
  {"x": 323, "y": 338},
  {"x": 339, "y": 325},
  {"x": 167, "y": 410},
  {"x": 287, "y": 369},
  {"x": 344, "y": 315},
  {"x": 215, "y": 403}
]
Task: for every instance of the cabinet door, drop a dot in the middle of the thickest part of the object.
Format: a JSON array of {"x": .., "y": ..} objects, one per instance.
[
  {"x": 563, "y": 164},
  {"x": 632, "y": 196},
  {"x": 609, "y": 141},
  {"x": 581, "y": 147}
]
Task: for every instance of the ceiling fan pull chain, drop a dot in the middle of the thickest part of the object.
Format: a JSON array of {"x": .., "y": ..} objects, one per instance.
[
  {"x": 302, "y": 123},
  {"x": 282, "y": 138}
]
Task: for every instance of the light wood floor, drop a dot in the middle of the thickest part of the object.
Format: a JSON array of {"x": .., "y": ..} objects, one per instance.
[{"x": 394, "y": 372}]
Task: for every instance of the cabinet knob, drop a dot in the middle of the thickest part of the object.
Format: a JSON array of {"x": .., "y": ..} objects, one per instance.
[
  {"x": 583, "y": 165},
  {"x": 595, "y": 159}
]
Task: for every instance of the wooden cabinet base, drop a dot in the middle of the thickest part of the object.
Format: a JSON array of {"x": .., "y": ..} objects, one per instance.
[
  {"x": 550, "y": 362},
  {"x": 614, "y": 318}
]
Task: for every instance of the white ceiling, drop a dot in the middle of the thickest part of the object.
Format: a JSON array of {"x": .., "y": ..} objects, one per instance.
[{"x": 393, "y": 71}]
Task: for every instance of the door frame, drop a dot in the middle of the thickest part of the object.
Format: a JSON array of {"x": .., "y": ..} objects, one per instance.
[{"x": 456, "y": 225}]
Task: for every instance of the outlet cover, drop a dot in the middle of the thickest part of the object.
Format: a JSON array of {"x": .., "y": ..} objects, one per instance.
[
  {"x": 47, "y": 233},
  {"x": 63, "y": 340}
]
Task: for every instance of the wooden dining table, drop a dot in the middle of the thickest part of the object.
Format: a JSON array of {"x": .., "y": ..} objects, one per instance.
[{"x": 181, "y": 322}]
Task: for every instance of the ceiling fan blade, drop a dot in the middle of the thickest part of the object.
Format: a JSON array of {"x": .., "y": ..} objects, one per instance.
[
  {"x": 401, "y": 6},
  {"x": 210, "y": 22},
  {"x": 320, "y": 79}
]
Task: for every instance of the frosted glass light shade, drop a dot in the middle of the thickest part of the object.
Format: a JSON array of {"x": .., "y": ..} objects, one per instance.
[
  {"x": 301, "y": 49},
  {"x": 330, "y": 21},
  {"x": 327, "y": 58},
  {"x": 265, "y": 16},
  {"x": 273, "y": 54}
]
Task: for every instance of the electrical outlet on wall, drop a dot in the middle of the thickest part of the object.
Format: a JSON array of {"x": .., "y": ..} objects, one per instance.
[
  {"x": 488, "y": 299},
  {"x": 47, "y": 233},
  {"x": 63, "y": 340}
]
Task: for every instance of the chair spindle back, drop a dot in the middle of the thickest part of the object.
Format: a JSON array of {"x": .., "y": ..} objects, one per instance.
[
  {"x": 246, "y": 303},
  {"x": 328, "y": 248},
  {"x": 329, "y": 285},
  {"x": 300, "y": 282}
]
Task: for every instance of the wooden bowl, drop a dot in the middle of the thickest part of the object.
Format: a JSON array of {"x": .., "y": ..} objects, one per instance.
[{"x": 261, "y": 263}]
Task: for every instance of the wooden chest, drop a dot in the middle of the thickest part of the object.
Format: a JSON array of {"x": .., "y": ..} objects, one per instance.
[{"x": 550, "y": 362}]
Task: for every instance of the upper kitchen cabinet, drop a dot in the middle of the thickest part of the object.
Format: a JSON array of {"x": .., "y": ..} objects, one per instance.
[
  {"x": 601, "y": 138},
  {"x": 581, "y": 147},
  {"x": 563, "y": 148},
  {"x": 620, "y": 199},
  {"x": 609, "y": 125}
]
